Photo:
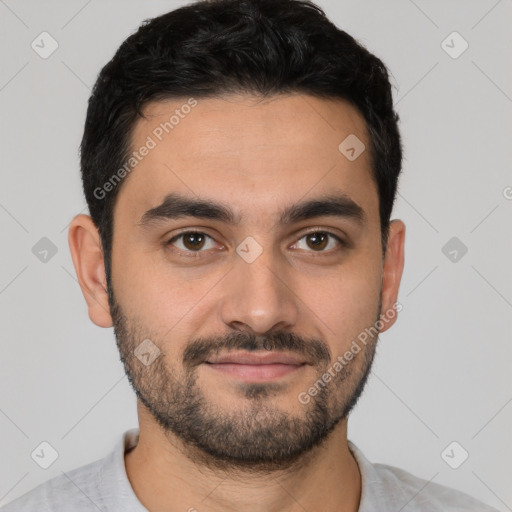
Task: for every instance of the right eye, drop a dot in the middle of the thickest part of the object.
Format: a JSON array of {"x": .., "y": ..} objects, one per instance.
[{"x": 192, "y": 242}]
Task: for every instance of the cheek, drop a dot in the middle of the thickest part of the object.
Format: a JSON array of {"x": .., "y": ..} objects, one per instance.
[
  {"x": 346, "y": 304},
  {"x": 163, "y": 297}
]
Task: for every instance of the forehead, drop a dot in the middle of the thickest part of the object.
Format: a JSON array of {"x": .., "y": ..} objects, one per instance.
[{"x": 248, "y": 151}]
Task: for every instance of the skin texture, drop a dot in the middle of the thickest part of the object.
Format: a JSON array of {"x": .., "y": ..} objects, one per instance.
[{"x": 257, "y": 157}]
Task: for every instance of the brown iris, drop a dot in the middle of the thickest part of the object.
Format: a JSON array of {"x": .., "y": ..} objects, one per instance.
[
  {"x": 193, "y": 241},
  {"x": 318, "y": 240}
]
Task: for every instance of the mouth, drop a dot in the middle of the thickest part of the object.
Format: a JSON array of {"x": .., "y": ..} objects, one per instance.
[{"x": 256, "y": 367}]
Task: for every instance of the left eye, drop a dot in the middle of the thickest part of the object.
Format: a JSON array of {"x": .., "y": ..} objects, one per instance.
[{"x": 319, "y": 241}]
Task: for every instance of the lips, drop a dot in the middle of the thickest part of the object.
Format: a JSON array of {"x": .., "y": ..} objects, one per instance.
[
  {"x": 252, "y": 358},
  {"x": 256, "y": 366}
]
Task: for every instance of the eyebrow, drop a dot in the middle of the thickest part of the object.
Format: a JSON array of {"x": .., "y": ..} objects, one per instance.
[{"x": 176, "y": 206}]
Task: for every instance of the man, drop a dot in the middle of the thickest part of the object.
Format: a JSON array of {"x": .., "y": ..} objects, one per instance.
[{"x": 240, "y": 160}]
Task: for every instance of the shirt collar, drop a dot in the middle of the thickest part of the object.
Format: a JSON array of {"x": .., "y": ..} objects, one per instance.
[
  {"x": 118, "y": 494},
  {"x": 115, "y": 487}
]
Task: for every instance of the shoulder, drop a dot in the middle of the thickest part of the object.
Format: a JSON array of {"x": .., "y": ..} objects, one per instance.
[
  {"x": 73, "y": 490},
  {"x": 397, "y": 489},
  {"x": 425, "y": 495}
]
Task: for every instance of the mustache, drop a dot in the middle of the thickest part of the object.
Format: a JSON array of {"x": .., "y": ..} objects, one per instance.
[{"x": 315, "y": 351}]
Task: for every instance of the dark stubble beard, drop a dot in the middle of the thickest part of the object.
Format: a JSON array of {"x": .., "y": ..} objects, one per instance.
[{"x": 258, "y": 437}]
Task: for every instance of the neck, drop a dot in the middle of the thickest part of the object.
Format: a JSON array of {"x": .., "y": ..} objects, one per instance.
[{"x": 166, "y": 476}]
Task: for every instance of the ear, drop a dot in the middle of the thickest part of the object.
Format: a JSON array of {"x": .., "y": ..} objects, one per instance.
[
  {"x": 87, "y": 253},
  {"x": 393, "y": 266}
]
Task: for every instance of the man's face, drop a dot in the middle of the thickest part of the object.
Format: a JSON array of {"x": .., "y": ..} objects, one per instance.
[{"x": 247, "y": 314}]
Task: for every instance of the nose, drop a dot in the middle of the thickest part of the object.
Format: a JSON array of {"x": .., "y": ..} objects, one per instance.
[{"x": 259, "y": 297}]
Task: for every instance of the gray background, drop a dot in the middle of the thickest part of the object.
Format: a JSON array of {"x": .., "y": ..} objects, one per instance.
[{"x": 442, "y": 373}]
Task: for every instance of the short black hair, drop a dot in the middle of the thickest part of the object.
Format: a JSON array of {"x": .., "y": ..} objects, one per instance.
[{"x": 215, "y": 47}]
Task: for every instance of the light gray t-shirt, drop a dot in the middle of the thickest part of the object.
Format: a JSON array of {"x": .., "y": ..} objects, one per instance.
[{"x": 103, "y": 486}]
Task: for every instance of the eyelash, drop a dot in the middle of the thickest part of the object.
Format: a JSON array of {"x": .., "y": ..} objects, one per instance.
[{"x": 196, "y": 254}]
